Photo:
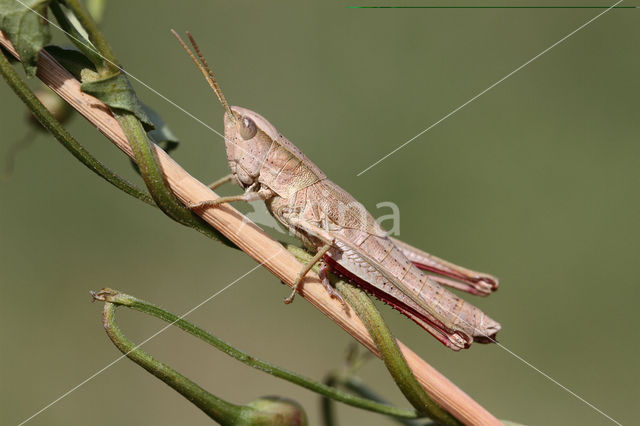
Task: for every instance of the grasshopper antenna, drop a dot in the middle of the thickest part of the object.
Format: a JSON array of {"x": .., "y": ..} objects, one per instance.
[{"x": 203, "y": 66}]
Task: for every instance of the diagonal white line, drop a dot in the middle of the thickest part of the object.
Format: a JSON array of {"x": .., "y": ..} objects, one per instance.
[
  {"x": 551, "y": 379},
  {"x": 536, "y": 369},
  {"x": 488, "y": 88},
  {"x": 67, "y": 393}
]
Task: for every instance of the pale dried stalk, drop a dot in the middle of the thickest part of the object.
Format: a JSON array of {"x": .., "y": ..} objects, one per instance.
[{"x": 253, "y": 241}]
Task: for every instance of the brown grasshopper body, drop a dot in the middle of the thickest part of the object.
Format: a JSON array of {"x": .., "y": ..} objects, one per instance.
[
  {"x": 300, "y": 196},
  {"x": 329, "y": 220}
]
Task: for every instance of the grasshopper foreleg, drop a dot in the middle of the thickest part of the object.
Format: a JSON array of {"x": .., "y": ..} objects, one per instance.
[
  {"x": 221, "y": 181},
  {"x": 251, "y": 194}
]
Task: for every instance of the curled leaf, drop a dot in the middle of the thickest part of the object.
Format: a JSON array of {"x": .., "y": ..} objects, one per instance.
[
  {"x": 71, "y": 59},
  {"x": 22, "y": 22},
  {"x": 161, "y": 133},
  {"x": 116, "y": 91}
]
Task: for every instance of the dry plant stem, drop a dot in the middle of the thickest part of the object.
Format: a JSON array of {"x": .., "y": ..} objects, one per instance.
[{"x": 253, "y": 241}]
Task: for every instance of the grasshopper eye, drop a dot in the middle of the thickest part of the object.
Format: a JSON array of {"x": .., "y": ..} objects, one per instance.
[{"x": 248, "y": 128}]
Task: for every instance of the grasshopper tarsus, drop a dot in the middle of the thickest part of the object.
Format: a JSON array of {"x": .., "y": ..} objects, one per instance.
[
  {"x": 289, "y": 300},
  {"x": 335, "y": 295},
  {"x": 322, "y": 273}
]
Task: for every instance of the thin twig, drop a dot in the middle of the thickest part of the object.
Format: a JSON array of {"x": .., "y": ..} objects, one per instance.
[
  {"x": 253, "y": 241},
  {"x": 115, "y": 297}
]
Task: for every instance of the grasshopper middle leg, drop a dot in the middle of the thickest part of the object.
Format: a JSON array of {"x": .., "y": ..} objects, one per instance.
[{"x": 322, "y": 273}]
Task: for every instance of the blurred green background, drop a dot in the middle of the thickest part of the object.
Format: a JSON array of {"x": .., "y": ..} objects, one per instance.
[{"x": 536, "y": 182}]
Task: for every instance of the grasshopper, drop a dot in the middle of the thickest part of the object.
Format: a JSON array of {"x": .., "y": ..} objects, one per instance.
[{"x": 346, "y": 238}]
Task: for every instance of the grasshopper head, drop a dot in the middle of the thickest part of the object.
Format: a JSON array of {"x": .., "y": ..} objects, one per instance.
[{"x": 247, "y": 137}]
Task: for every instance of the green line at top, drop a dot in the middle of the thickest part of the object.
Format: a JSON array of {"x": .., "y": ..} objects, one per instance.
[{"x": 493, "y": 7}]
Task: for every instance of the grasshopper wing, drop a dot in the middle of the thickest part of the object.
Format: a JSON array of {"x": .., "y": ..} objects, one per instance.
[
  {"x": 467, "y": 280},
  {"x": 363, "y": 253}
]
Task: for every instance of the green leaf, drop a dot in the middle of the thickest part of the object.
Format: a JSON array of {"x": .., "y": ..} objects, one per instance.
[
  {"x": 71, "y": 59},
  {"x": 26, "y": 29},
  {"x": 75, "y": 32},
  {"x": 96, "y": 9},
  {"x": 116, "y": 91},
  {"x": 161, "y": 134}
]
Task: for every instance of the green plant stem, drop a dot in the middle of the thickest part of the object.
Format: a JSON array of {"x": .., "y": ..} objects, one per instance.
[
  {"x": 358, "y": 387},
  {"x": 115, "y": 297},
  {"x": 96, "y": 9},
  {"x": 346, "y": 378},
  {"x": 152, "y": 175},
  {"x": 219, "y": 410},
  {"x": 327, "y": 406},
  {"x": 391, "y": 355},
  {"x": 110, "y": 63},
  {"x": 74, "y": 35},
  {"x": 60, "y": 133}
]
